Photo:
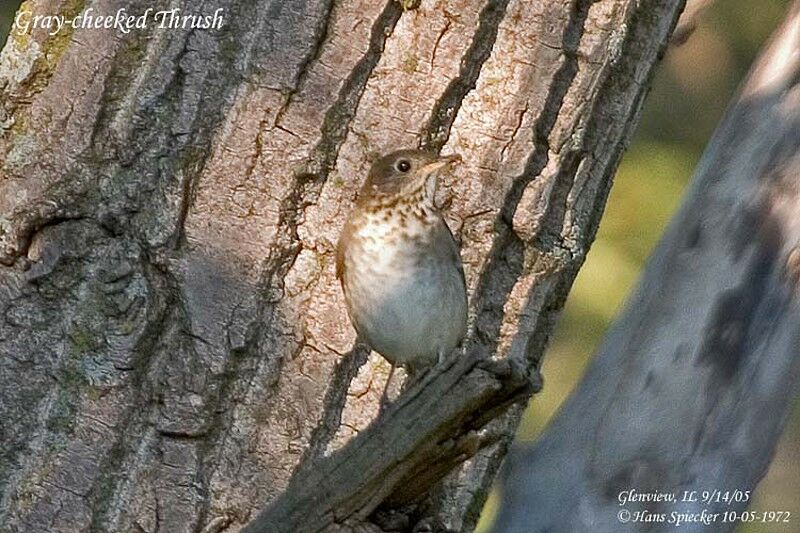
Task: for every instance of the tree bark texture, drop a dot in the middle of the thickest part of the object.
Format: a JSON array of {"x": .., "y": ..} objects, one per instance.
[
  {"x": 174, "y": 344},
  {"x": 692, "y": 386}
]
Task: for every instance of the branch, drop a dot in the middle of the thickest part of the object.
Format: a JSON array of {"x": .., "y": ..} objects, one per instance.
[{"x": 431, "y": 428}]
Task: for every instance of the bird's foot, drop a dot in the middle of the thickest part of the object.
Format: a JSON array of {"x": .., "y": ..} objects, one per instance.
[{"x": 384, "y": 404}]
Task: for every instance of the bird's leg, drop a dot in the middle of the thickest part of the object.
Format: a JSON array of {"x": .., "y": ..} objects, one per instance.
[
  {"x": 385, "y": 396},
  {"x": 440, "y": 356}
]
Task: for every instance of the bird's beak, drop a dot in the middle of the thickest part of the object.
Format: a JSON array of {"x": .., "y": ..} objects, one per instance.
[{"x": 440, "y": 162}]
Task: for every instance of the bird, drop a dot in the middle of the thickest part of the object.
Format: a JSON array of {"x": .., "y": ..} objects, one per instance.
[{"x": 400, "y": 267}]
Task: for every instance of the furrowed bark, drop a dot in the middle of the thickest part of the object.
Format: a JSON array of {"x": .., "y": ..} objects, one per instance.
[
  {"x": 693, "y": 384},
  {"x": 169, "y": 204}
]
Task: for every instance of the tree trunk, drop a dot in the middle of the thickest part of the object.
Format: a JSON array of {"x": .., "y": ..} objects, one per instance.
[
  {"x": 693, "y": 384},
  {"x": 174, "y": 344}
]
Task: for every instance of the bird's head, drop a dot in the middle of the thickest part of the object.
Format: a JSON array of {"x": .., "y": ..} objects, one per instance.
[{"x": 404, "y": 174}]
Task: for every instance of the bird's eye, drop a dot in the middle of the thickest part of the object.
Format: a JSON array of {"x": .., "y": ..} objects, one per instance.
[{"x": 404, "y": 165}]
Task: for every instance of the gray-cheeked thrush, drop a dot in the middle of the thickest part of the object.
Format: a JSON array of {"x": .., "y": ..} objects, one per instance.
[{"x": 400, "y": 266}]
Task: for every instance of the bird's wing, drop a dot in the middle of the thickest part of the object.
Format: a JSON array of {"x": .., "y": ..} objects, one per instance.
[{"x": 452, "y": 250}]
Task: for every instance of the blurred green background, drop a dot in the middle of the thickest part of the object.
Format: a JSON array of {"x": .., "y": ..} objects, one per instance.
[
  {"x": 694, "y": 84},
  {"x": 7, "y": 10}
]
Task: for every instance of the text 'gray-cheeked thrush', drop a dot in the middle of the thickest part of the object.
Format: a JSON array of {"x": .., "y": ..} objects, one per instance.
[{"x": 400, "y": 266}]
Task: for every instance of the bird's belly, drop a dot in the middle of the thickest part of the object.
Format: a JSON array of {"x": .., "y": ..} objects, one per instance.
[{"x": 407, "y": 305}]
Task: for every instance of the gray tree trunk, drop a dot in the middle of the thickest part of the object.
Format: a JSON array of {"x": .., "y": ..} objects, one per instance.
[
  {"x": 693, "y": 384},
  {"x": 173, "y": 343}
]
